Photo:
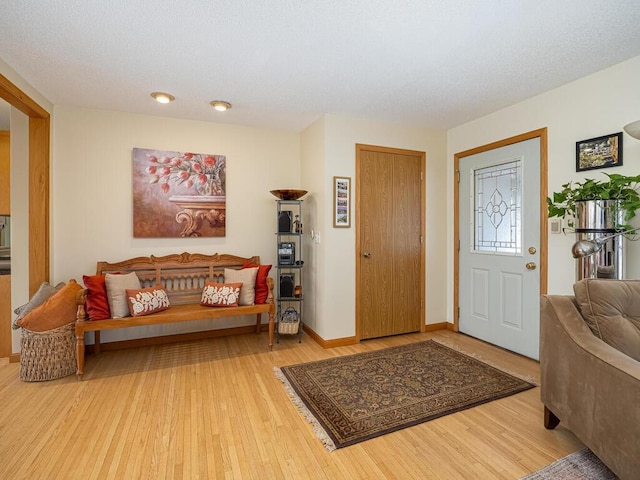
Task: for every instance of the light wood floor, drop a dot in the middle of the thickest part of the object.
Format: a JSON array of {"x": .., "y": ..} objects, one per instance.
[{"x": 214, "y": 409}]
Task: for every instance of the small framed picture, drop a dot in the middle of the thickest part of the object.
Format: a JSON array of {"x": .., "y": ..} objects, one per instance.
[
  {"x": 600, "y": 152},
  {"x": 342, "y": 202}
]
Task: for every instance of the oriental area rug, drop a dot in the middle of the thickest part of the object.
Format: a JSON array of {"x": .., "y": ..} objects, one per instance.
[
  {"x": 357, "y": 397},
  {"x": 580, "y": 465}
]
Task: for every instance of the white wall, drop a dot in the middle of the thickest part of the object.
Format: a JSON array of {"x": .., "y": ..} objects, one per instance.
[
  {"x": 336, "y": 252},
  {"x": 312, "y": 154},
  {"x": 92, "y": 192},
  {"x": 19, "y": 215},
  {"x": 593, "y": 106}
]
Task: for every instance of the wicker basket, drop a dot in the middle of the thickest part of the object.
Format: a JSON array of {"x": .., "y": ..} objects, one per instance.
[
  {"x": 48, "y": 355},
  {"x": 289, "y": 323}
]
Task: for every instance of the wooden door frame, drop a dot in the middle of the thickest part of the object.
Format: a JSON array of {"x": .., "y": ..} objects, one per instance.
[
  {"x": 399, "y": 151},
  {"x": 39, "y": 142},
  {"x": 543, "y": 246}
]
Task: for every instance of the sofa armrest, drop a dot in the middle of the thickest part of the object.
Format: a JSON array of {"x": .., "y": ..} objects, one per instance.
[{"x": 590, "y": 386}]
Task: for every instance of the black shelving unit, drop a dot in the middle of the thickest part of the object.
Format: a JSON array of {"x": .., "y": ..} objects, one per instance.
[{"x": 289, "y": 268}]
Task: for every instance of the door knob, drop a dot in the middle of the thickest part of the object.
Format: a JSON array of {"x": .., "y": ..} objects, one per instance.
[
  {"x": 367, "y": 255},
  {"x": 531, "y": 266}
]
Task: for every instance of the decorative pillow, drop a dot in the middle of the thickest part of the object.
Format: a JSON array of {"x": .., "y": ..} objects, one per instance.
[
  {"x": 117, "y": 284},
  {"x": 262, "y": 289},
  {"x": 97, "y": 305},
  {"x": 44, "y": 293},
  {"x": 612, "y": 311},
  {"x": 220, "y": 294},
  {"x": 147, "y": 300},
  {"x": 246, "y": 276},
  {"x": 60, "y": 309}
]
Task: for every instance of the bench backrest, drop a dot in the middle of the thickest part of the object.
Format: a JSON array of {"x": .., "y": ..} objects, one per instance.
[{"x": 182, "y": 275}]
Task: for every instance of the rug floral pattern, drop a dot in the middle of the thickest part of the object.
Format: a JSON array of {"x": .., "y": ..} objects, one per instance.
[{"x": 358, "y": 397}]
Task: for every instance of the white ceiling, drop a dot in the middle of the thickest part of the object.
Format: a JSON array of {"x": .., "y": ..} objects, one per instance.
[{"x": 284, "y": 63}]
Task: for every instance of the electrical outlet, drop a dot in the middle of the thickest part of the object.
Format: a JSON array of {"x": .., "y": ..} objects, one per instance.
[
  {"x": 316, "y": 237},
  {"x": 555, "y": 225}
]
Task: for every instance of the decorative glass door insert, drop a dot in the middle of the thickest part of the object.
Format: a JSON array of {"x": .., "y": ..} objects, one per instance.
[{"x": 497, "y": 208}]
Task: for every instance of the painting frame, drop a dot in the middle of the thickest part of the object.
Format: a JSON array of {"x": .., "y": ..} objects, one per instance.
[
  {"x": 599, "y": 152},
  {"x": 341, "y": 202}
]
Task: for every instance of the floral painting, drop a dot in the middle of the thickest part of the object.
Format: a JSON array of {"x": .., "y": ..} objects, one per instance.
[{"x": 178, "y": 194}]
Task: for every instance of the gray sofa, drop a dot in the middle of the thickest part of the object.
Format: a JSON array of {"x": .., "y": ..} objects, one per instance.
[{"x": 590, "y": 369}]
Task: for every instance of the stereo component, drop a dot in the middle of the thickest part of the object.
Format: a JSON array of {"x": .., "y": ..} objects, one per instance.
[{"x": 286, "y": 253}]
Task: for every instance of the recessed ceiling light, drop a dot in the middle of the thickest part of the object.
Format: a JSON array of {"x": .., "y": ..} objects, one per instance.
[
  {"x": 220, "y": 105},
  {"x": 162, "y": 97}
]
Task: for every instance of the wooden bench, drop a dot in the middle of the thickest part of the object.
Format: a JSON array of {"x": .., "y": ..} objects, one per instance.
[{"x": 183, "y": 277}]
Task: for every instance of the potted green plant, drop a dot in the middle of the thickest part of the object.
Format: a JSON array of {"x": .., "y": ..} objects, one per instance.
[{"x": 622, "y": 190}]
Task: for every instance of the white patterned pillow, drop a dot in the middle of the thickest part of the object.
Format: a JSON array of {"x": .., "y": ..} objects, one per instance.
[
  {"x": 146, "y": 301},
  {"x": 220, "y": 294}
]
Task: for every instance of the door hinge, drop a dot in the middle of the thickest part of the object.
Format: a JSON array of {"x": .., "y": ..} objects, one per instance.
[
  {"x": 421, "y": 239},
  {"x": 458, "y": 313},
  {"x": 458, "y": 175},
  {"x": 458, "y": 244},
  {"x": 421, "y": 176}
]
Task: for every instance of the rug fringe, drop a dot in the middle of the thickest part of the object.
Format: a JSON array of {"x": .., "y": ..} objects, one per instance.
[
  {"x": 305, "y": 412},
  {"x": 526, "y": 378}
]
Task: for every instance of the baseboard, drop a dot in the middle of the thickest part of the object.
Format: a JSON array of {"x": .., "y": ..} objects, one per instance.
[
  {"x": 337, "y": 342},
  {"x": 433, "y": 327},
  {"x": 176, "y": 338},
  {"x": 14, "y": 358}
]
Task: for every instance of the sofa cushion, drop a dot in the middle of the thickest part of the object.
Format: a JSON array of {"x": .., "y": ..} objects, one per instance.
[
  {"x": 247, "y": 277},
  {"x": 145, "y": 301},
  {"x": 116, "y": 292},
  {"x": 97, "y": 302},
  {"x": 44, "y": 293},
  {"x": 262, "y": 288},
  {"x": 611, "y": 308},
  {"x": 220, "y": 294},
  {"x": 60, "y": 309}
]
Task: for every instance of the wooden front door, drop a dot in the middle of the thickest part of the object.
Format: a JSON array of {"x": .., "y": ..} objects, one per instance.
[{"x": 390, "y": 241}]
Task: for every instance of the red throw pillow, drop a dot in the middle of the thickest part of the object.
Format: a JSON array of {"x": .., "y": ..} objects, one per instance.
[
  {"x": 97, "y": 305},
  {"x": 145, "y": 301},
  {"x": 262, "y": 289},
  {"x": 220, "y": 294}
]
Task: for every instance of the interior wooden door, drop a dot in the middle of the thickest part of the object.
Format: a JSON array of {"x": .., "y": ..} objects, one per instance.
[{"x": 390, "y": 237}]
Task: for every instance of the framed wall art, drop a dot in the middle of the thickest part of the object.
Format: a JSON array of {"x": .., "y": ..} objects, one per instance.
[
  {"x": 599, "y": 152},
  {"x": 342, "y": 202},
  {"x": 178, "y": 194}
]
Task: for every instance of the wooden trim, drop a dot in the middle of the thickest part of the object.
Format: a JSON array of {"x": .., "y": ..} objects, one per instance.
[
  {"x": 176, "y": 338},
  {"x": 337, "y": 342},
  {"x": 39, "y": 144},
  {"x": 17, "y": 98},
  {"x": 423, "y": 195},
  {"x": 39, "y": 129},
  {"x": 14, "y": 358},
  {"x": 434, "y": 327},
  {"x": 541, "y": 133}
]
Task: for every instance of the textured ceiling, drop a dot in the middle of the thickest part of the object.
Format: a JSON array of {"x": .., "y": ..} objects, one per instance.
[{"x": 284, "y": 63}]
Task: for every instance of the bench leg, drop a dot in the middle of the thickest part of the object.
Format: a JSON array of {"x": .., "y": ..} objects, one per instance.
[
  {"x": 271, "y": 329},
  {"x": 80, "y": 354},
  {"x": 96, "y": 342},
  {"x": 258, "y": 322}
]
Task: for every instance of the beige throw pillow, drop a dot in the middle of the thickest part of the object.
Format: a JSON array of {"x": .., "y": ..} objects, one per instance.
[
  {"x": 117, "y": 286},
  {"x": 246, "y": 276}
]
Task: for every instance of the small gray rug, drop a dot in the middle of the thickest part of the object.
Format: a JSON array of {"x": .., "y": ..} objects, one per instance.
[{"x": 581, "y": 465}]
